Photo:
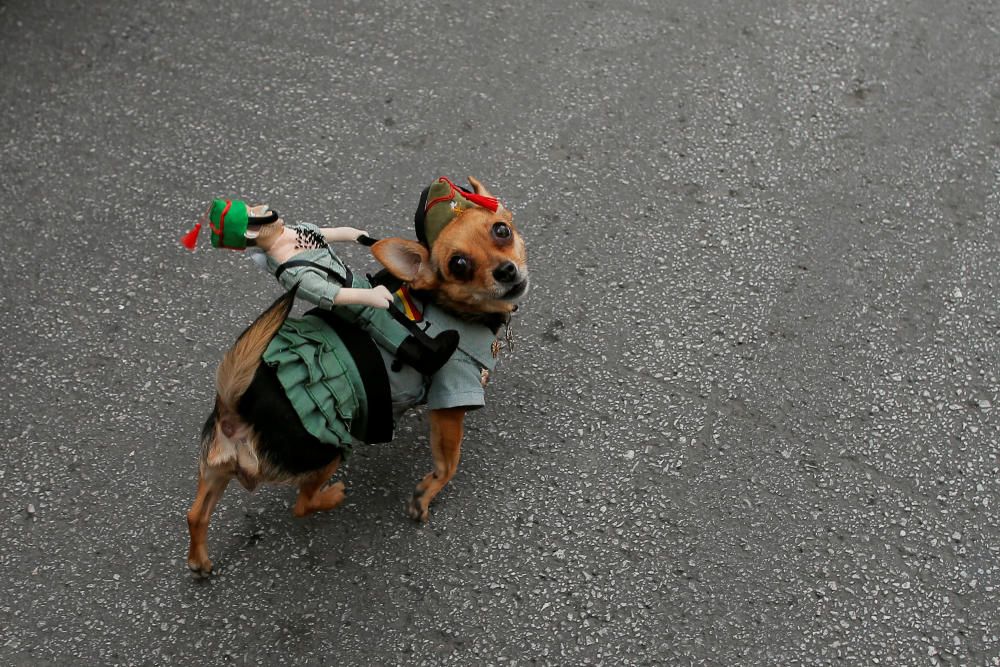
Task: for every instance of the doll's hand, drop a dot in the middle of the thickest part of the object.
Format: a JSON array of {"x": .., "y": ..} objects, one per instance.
[
  {"x": 341, "y": 234},
  {"x": 381, "y": 297}
]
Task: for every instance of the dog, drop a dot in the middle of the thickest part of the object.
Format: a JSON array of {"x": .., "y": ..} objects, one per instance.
[{"x": 467, "y": 272}]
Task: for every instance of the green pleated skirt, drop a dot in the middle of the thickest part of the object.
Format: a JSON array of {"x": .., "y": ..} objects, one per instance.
[{"x": 321, "y": 381}]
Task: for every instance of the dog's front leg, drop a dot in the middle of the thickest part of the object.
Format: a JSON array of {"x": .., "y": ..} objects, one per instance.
[
  {"x": 446, "y": 448},
  {"x": 212, "y": 484}
]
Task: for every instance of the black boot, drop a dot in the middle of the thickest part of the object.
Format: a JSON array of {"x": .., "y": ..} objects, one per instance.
[{"x": 425, "y": 354}]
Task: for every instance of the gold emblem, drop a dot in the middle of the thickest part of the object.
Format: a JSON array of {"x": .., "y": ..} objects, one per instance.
[
  {"x": 495, "y": 347},
  {"x": 484, "y": 377}
]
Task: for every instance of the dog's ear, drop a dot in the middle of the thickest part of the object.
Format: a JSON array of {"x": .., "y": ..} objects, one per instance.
[
  {"x": 479, "y": 188},
  {"x": 407, "y": 260}
]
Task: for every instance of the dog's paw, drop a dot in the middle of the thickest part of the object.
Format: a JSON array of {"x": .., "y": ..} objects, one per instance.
[
  {"x": 330, "y": 497},
  {"x": 416, "y": 509},
  {"x": 201, "y": 567},
  {"x": 321, "y": 501}
]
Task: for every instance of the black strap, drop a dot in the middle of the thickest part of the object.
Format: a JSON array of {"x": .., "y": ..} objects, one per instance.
[
  {"x": 366, "y": 240},
  {"x": 386, "y": 279},
  {"x": 345, "y": 281}
]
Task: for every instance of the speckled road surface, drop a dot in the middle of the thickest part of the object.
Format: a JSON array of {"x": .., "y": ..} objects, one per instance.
[{"x": 751, "y": 418}]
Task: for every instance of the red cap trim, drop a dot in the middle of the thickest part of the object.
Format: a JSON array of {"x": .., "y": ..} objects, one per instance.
[{"x": 489, "y": 203}]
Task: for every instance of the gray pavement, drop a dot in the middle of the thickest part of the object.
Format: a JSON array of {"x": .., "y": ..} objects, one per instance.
[{"x": 751, "y": 416}]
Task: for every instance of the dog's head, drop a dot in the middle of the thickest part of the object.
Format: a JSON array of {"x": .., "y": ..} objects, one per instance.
[{"x": 472, "y": 258}]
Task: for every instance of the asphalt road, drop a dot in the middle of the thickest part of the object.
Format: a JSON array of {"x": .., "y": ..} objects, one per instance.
[{"x": 750, "y": 419}]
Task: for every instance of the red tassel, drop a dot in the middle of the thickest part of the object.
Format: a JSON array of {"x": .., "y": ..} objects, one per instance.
[
  {"x": 191, "y": 238},
  {"x": 482, "y": 200}
]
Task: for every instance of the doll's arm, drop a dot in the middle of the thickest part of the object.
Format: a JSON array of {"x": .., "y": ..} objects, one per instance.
[
  {"x": 341, "y": 234},
  {"x": 376, "y": 297},
  {"x": 319, "y": 290}
]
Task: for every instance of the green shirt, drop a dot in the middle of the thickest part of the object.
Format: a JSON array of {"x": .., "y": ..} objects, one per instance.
[{"x": 315, "y": 286}]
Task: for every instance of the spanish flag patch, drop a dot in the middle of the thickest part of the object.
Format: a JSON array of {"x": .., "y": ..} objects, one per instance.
[{"x": 410, "y": 308}]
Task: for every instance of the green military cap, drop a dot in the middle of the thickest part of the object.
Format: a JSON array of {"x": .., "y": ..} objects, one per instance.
[{"x": 440, "y": 203}]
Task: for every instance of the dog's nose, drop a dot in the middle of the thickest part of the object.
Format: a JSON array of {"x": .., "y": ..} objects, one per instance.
[{"x": 506, "y": 272}]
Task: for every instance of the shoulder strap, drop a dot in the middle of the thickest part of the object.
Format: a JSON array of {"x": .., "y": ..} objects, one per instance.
[{"x": 346, "y": 281}]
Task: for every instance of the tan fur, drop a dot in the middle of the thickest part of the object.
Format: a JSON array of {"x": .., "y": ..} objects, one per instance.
[
  {"x": 231, "y": 444},
  {"x": 239, "y": 364},
  {"x": 469, "y": 233}
]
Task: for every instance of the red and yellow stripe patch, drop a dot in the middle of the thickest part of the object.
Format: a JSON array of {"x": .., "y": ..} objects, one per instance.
[{"x": 410, "y": 308}]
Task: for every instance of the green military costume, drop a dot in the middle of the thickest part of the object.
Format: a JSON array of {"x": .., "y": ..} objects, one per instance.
[
  {"x": 347, "y": 386},
  {"x": 320, "y": 375},
  {"x": 321, "y": 379}
]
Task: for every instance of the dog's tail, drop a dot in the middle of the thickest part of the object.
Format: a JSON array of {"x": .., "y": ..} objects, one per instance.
[
  {"x": 237, "y": 368},
  {"x": 233, "y": 377}
]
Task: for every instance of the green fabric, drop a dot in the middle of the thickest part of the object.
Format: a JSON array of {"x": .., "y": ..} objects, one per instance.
[
  {"x": 459, "y": 383},
  {"x": 233, "y": 227},
  {"x": 321, "y": 381},
  {"x": 476, "y": 339}
]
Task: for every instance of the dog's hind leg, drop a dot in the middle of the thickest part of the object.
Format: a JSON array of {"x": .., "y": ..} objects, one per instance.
[
  {"x": 212, "y": 483},
  {"x": 313, "y": 497},
  {"x": 447, "y": 427}
]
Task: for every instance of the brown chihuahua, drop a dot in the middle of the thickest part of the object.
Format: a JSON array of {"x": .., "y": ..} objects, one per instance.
[{"x": 295, "y": 394}]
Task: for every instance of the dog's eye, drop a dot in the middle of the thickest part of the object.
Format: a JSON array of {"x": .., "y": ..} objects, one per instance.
[
  {"x": 501, "y": 230},
  {"x": 460, "y": 267}
]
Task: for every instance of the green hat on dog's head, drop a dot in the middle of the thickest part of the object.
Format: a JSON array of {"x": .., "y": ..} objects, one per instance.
[{"x": 440, "y": 203}]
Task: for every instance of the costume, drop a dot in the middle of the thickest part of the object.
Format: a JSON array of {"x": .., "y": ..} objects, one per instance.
[
  {"x": 320, "y": 374},
  {"x": 350, "y": 370},
  {"x": 342, "y": 399}
]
